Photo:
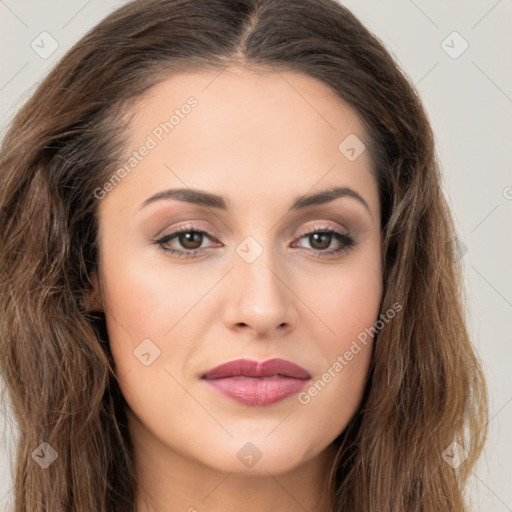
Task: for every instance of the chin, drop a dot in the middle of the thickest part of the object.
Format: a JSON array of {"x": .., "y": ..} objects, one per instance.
[{"x": 259, "y": 455}]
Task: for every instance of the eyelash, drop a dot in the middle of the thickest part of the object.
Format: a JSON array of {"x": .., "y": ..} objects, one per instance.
[{"x": 347, "y": 240}]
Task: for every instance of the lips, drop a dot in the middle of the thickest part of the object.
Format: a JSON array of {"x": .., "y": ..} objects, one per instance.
[
  {"x": 257, "y": 383},
  {"x": 249, "y": 368}
]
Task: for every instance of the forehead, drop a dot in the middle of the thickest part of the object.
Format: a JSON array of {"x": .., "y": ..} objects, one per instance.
[
  {"x": 244, "y": 98},
  {"x": 253, "y": 134}
]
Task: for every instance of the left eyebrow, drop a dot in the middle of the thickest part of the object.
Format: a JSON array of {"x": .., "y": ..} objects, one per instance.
[
  {"x": 326, "y": 196},
  {"x": 210, "y": 200}
]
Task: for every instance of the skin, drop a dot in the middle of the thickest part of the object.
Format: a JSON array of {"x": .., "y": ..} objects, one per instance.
[{"x": 260, "y": 139}]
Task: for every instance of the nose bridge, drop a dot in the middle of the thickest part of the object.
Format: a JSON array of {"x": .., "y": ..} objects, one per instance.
[{"x": 261, "y": 299}]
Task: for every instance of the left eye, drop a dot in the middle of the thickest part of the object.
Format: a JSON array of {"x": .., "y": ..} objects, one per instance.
[{"x": 322, "y": 239}]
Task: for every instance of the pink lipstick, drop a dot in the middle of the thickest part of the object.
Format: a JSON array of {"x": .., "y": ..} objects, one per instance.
[{"x": 257, "y": 383}]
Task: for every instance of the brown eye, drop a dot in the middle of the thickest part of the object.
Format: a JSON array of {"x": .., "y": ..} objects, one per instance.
[
  {"x": 320, "y": 241},
  {"x": 184, "y": 241},
  {"x": 190, "y": 240}
]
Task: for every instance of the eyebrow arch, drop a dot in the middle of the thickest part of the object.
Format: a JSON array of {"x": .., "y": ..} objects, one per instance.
[{"x": 215, "y": 201}]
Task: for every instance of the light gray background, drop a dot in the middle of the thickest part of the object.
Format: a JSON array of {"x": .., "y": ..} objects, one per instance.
[{"x": 469, "y": 101}]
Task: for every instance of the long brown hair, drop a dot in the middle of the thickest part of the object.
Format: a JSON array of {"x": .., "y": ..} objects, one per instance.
[{"x": 425, "y": 388}]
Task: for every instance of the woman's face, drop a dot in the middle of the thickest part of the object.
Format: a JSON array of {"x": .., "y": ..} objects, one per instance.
[{"x": 267, "y": 281}]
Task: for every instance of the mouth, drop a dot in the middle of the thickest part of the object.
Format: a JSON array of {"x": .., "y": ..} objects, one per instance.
[{"x": 257, "y": 383}]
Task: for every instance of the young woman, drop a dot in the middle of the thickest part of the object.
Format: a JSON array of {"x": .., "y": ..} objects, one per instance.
[{"x": 227, "y": 273}]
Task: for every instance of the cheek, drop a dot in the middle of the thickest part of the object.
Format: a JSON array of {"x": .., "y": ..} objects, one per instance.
[
  {"x": 148, "y": 297},
  {"x": 156, "y": 301},
  {"x": 335, "y": 392},
  {"x": 349, "y": 304},
  {"x": 345, "y": 298},
  {"x": 346, "y": 304}
]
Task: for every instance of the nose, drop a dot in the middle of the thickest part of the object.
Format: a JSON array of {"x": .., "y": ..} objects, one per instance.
[{"x": 260, "y": 299}]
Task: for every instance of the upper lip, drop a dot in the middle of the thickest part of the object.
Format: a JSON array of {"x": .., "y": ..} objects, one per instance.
[{"x": 250, "y": 368}]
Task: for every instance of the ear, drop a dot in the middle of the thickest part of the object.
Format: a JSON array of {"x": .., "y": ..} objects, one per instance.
[{"x": 94, "y": 301}]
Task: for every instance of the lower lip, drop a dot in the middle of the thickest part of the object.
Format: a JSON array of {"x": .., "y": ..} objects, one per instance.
[{"x": 257, "y": 391}]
